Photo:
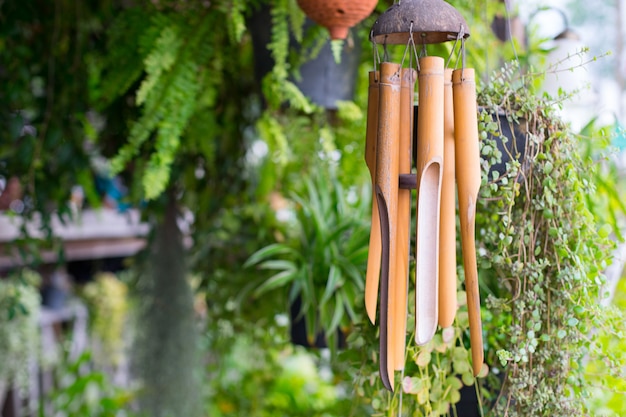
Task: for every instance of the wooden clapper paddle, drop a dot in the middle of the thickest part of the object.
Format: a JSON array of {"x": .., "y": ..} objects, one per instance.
[{"x": 447, "y": 154}]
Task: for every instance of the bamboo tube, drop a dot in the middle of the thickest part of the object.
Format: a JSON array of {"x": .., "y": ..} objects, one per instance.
[
  {"x": 429, "y": 173},
  {"x": 468, "y": 183},
  {"x": 447, "y": 233},
  {"x": 373, "y": 257},
  {"x": 409, "y": 76},
  {"x": 387, "y": 153}
]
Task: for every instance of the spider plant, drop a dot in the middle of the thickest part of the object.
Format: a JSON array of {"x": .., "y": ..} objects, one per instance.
[{"x": 322, "y": 263}]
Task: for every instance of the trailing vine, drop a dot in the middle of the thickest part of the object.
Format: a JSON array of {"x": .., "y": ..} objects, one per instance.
[{"x": 543, "y": 259}]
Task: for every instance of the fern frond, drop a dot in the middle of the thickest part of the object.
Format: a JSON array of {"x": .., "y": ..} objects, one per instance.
[
  {"x": 124, "y": 64},
  {"x": 159, "y": 60},
  {"x": 167, "y": 95},
  {"x": 279, "y": 45},
  {"x": 273, "y": 134},
  {"x": 236, "y": 22},
  {"x": 296, "y": 19}
]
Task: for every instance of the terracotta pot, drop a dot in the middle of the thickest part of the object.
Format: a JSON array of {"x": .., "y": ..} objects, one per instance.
[{"x": 338, "y": 16}]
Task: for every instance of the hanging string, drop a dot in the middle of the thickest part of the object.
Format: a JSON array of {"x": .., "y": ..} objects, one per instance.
[
  {"x": 461, "y": 55},
  {"x": 385, "y": 51},
  {"x": 459, "y": 36},
  {"x": 408, "y": 45},
  {"x": 376, "y": 53},
  {"x": 462, "y": 58},
  {"x": 417, "y": 60}
]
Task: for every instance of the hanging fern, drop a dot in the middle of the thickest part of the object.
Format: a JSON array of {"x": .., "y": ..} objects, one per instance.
[{"x": 173, "y": 52}]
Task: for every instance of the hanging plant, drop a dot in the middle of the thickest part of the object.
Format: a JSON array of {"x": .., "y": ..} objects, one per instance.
[
  {"x": 20, "y": 304},
  {"x": 542, "y": 263},
  {"x": 107, "y": 297}
]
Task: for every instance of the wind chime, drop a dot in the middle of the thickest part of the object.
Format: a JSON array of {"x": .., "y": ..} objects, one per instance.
[{"x": 447, "y": 154}]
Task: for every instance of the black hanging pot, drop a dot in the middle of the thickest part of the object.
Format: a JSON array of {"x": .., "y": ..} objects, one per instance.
[
  {"x": 322, "y": 79},
  {"x": 298, "y": 330},
  {"x": 511, "y": 140},
  {"x": 468, "y": 405}
]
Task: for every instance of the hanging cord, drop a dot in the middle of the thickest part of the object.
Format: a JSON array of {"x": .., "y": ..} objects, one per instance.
[
  {"x": 408, "y": 44},
  {"x": 385, "y": 50},
  {"x": 462, "y": 59},
  {"x": 375, "y": 53},
  {"x": 461, "y": 55},
  {"x": 459, "y": 36}
]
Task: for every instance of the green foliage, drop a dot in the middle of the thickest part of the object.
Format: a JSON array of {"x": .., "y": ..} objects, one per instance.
[
  {"x": 82, "y": 392},
  {"x": 434, "y": 374},
  {"x": 257, "y": 377},
  {"x": 542, "y": 259},
  {"x": 606, "y": 372},
  {"x": 107, "y": 298},
  {"x": 20, "y": 304},
  {"x": 173, "y": 51},
  {"x": 607, "y": 204},
  {"x": 323, "y": 260},
  {"x": 44, "y": 56}
]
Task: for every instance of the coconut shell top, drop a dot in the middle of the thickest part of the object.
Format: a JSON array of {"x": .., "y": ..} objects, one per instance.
[{"x": 430, "y": 21}]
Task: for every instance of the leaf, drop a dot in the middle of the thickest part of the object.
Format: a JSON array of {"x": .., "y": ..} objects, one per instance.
[
  {"x": 275, "y": 281},
  {"x": 267, "y": 252},
  {"x": 278, "y": 264},
  {"x": 423, "y": 358},
  {"x": 332, "y": 283},
  {"x": 337, "y": 315},
  {"x": 347, "y": 303},
  {"x": 336, "y": 45},
  {"x": 454, "y": 382}
]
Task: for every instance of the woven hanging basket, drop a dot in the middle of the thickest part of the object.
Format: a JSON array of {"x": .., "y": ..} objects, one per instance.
[{"x": 338, "y": 16}]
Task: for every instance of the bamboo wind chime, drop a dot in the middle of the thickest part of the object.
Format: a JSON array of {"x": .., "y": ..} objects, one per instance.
[{"x": 447, "y": 154}]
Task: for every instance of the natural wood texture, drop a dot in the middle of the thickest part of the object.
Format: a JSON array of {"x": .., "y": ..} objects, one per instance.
[
  {"x": 468, "y": 183},
  {"x": 372, "y": 275},
  {"x": 429, "y": 174},
  {"x": 387, "y": 199},
  {"x": 409, "y": 77},
  {"x": 447, "y": 236}
]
